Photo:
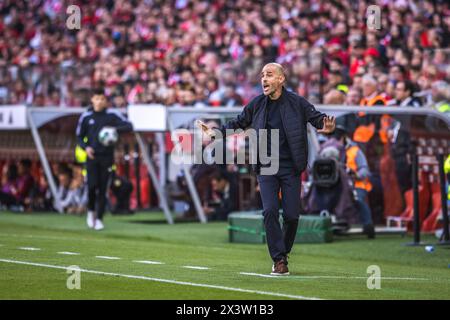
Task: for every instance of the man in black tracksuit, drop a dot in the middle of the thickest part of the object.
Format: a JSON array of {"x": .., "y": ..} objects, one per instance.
[
  {"x": 100, "y": 158},
  {"x": 288, "y": 113}
]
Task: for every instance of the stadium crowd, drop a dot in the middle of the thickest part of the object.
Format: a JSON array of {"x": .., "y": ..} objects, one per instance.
[
  {"x": 193, "y": 52},
  {"x": 210, "y": 53}
]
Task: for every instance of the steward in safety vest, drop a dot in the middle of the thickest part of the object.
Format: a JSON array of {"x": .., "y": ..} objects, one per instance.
[
  {"x": 354, "y": 158},
  {"x": 358, "y": 168},
  {"x": 367, "y": 124},
  {"x": 356, "y": 164}
]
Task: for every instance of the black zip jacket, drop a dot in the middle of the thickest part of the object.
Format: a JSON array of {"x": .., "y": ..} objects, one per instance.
[
  {"x": 90, "y": 123},
  {"x": 295, "y": 111}
]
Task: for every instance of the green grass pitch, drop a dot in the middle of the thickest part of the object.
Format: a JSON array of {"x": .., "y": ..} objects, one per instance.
[{"x": 318, "y": 271}]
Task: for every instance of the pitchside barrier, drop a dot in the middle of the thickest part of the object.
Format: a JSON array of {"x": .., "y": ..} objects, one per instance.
[
  {"x": 49, "y": 133},
  {"x": 248, "y": 227}
]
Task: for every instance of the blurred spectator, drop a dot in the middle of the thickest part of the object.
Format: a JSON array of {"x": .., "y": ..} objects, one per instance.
[
  {"x": 231, "y": 98},
  {"x": 440, "y": 94},
  {"x": 353, "y": 97},
  {"x": 63, "y": 192},
  {"x": 25, "y": 181},
  {"x": 122, "y": 189},
  {"x": 334, "y": 96},
  {"x": 404, "y": 94},
  {"x": 223, "y": 196},
  {"x": 386, "y": 87},
  {"x": 8, "y": 192},
  {"x": 371, "y": 96},
  {"x": 41, "y": 197},
  {"x": 335, "y": 81},
  {"x": 397, "y": 73},
  {"x": 17, "y": 185},
  {"x": 78, "y": 193}
]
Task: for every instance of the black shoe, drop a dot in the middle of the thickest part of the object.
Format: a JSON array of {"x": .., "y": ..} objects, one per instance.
[{"x": 369, "y": 230}]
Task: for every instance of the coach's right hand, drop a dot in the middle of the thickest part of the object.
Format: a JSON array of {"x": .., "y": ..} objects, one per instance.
[{"x": 90, "y": 152}]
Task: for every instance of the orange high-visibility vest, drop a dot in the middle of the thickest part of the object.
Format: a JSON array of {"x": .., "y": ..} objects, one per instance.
[
  {"x": 373, "y": 101},
  {"x": 351, "y": 163},
  {"x": 385, "y": 123},
  {"x": 365, "y": 132}
]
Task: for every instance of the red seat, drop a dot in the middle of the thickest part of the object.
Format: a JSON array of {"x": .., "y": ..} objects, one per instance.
[
  {"x": 392, "y": 195},
  {"x": 407, "y": 216},
  {"x": 145, "y": 186},
  {"x": 431, "y": 223}
]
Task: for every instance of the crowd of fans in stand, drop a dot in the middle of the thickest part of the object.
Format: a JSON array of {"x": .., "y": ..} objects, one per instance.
[{"x": 209, "y": 53}]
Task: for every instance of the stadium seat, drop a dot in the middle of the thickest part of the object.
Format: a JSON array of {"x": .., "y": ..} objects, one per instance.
[
  {"x": 407, "y": 216},
  {"x": 392, "y": 196},
  {"x": 145, "y": 188},
  {"x": 432, "y": 222},
  {"x": 145, "y": 191}
]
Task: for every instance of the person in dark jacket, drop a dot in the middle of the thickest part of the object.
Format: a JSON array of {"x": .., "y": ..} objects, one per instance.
[
  {"x": 289, "y": 113},
  {"x": 404, "y": 95},
  {"x": 100, "y": 157},
  {"x": 223, "y": 195}
]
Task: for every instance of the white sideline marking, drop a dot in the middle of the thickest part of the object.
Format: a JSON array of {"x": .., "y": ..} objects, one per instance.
[
  {"x": 266, "y": 293},
  {"x": 29, "y": 248},
  {"x": 69, "y": 253},
  {"x": 48, "y": 237},
  {"x": 196, "y": 267},
  {"x": 107, "y": 258},
  {"x": 328, "y": 277},
  {"x": 148, "y": 262}
]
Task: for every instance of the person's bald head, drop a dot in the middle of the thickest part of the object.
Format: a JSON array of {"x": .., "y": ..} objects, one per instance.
[
  {"x": 279, "y": 69},
  {"x": 273, "y": 76}
]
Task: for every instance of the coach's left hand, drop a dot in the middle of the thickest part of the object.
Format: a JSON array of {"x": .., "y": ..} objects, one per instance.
[{"x": 329, "y": 124}]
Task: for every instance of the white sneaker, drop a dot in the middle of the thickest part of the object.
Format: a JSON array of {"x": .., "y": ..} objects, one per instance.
[
  {"x": 98, "y": 225},
  {"x": 90, "y": 219}
]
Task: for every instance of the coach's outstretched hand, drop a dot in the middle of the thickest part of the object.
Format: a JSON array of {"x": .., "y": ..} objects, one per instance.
[
  {"x": 200, "y": 124},
  {"x": 329, "y": 124}
]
